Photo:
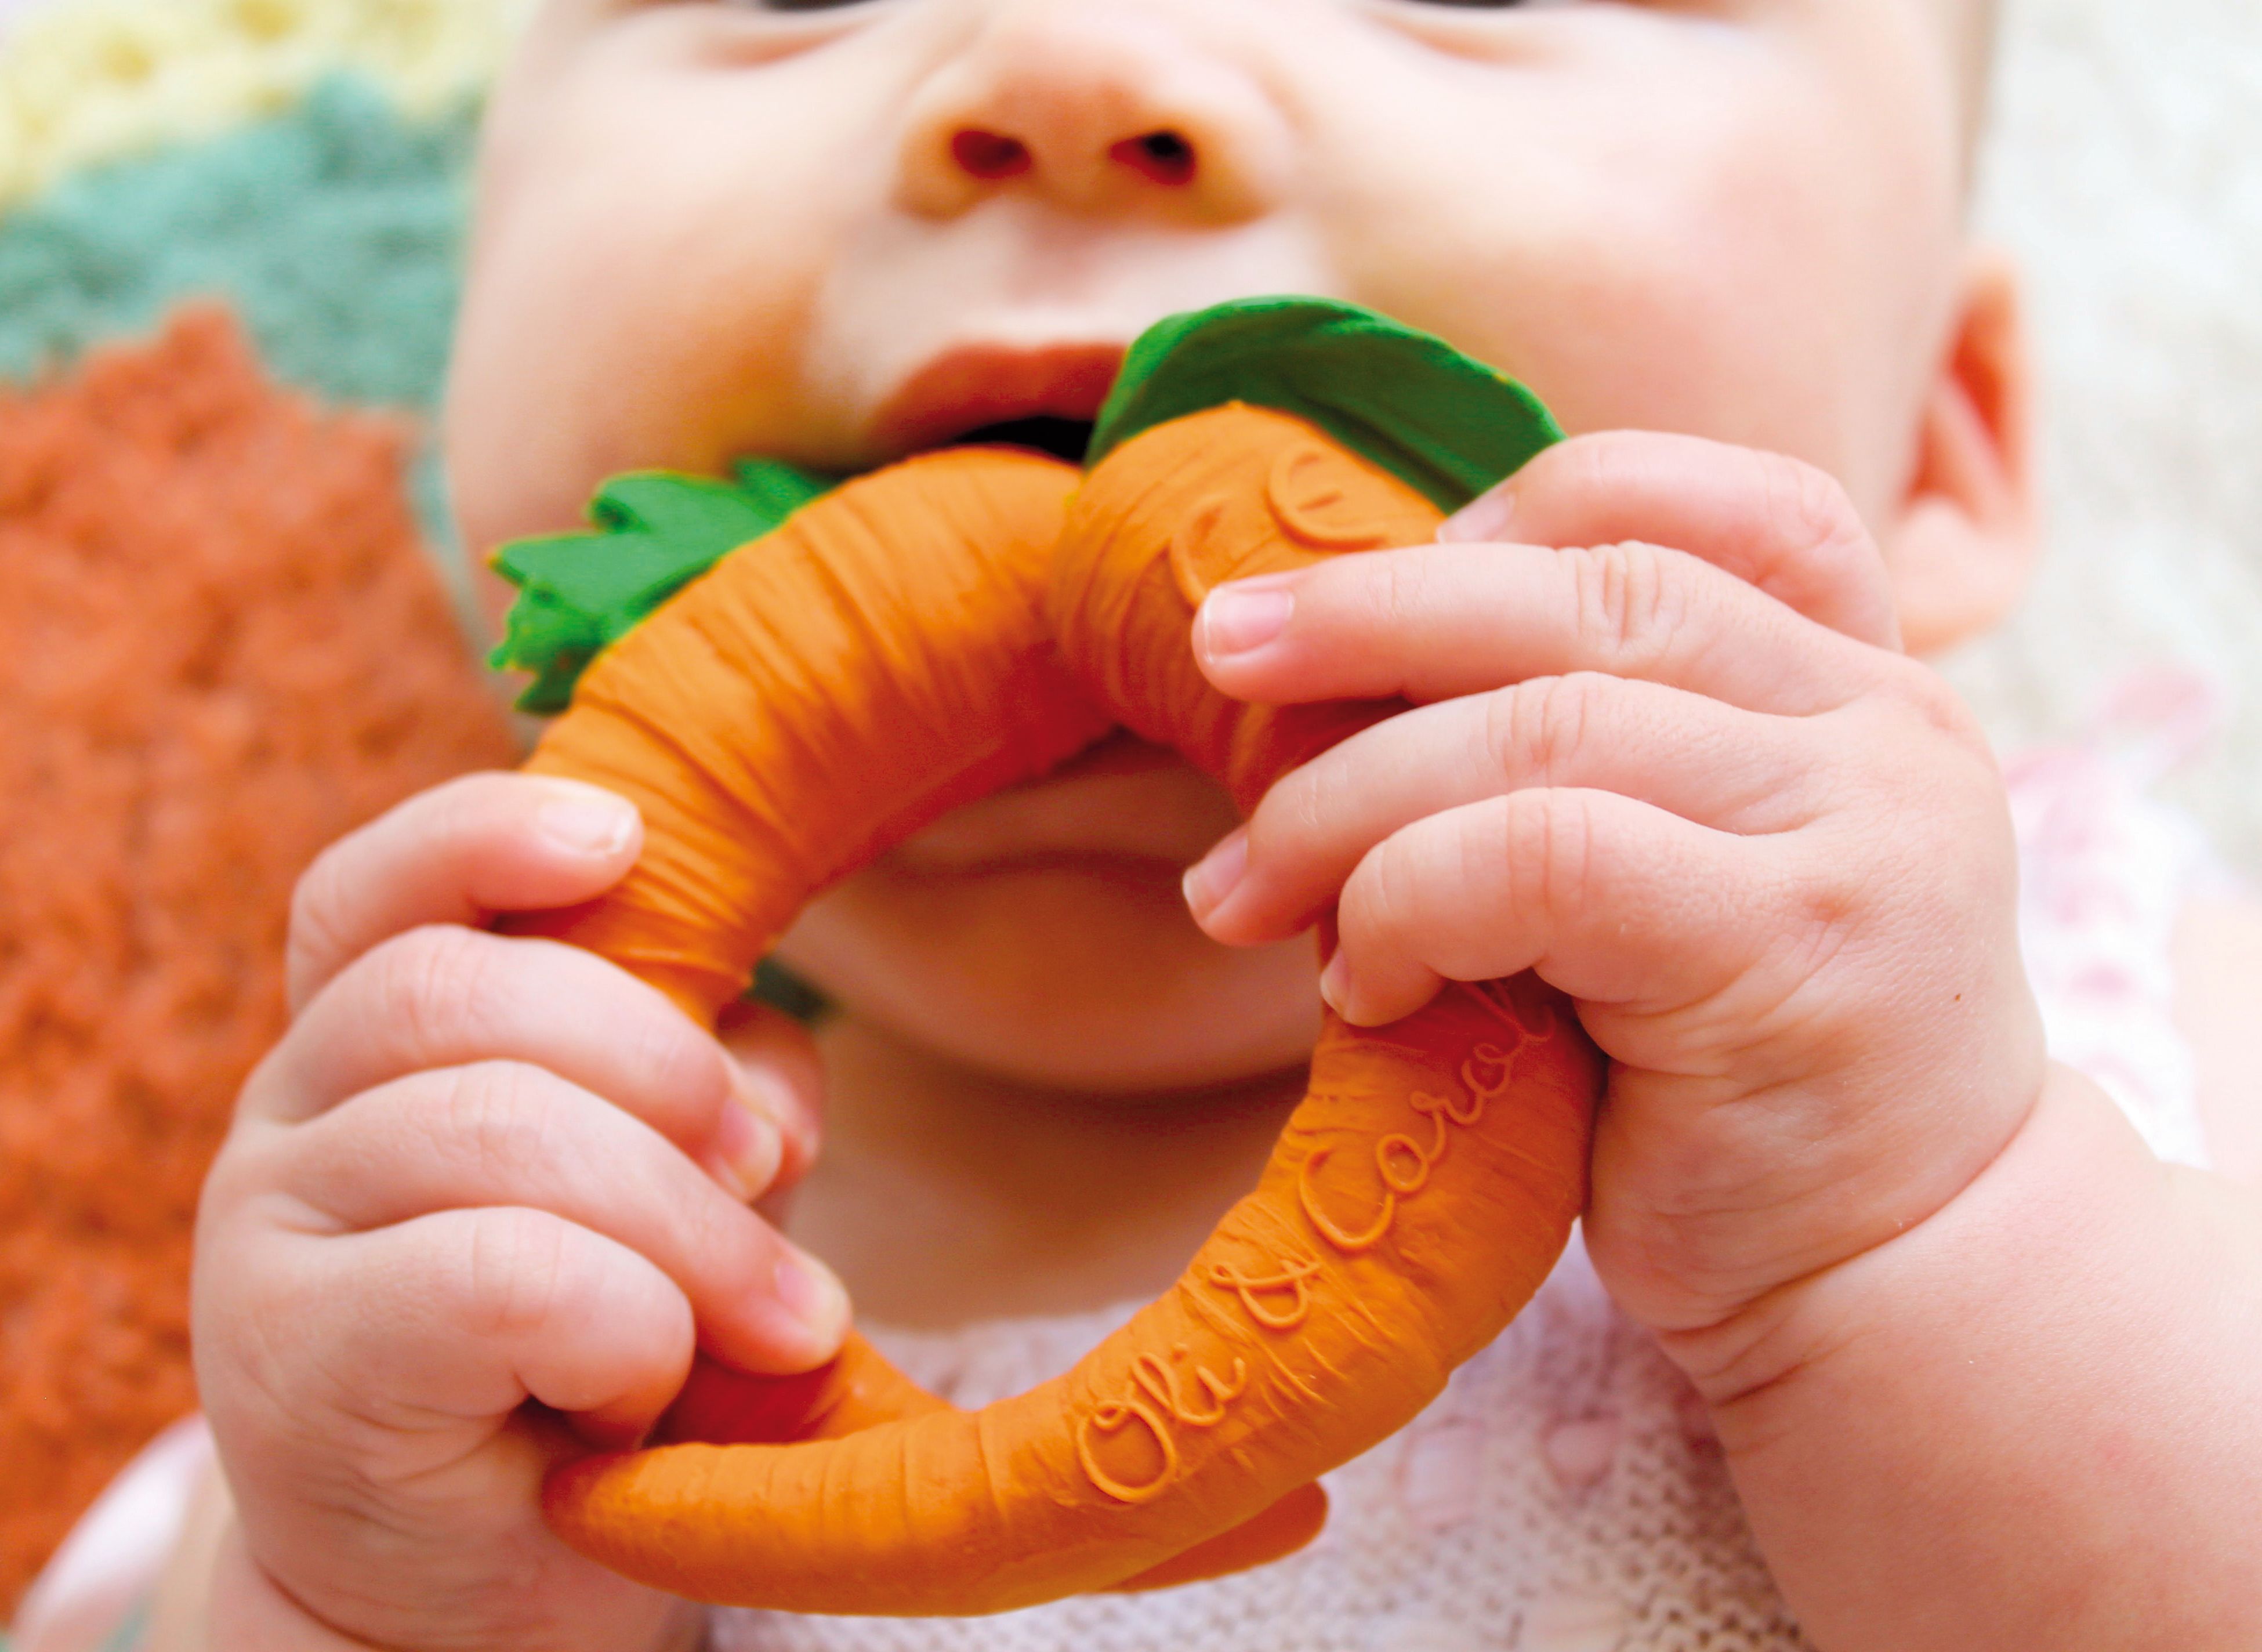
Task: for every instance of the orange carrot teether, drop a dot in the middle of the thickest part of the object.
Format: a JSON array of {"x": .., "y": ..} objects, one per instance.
[
  {"x": 915, "y": 640},
  {"x": 912, "y": 642}
]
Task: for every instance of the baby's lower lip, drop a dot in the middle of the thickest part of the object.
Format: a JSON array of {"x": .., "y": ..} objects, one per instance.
[{"x": 1123, "y": 800}]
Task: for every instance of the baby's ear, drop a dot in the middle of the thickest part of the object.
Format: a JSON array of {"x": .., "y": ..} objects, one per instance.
[{"x": 1966, "y": 537}]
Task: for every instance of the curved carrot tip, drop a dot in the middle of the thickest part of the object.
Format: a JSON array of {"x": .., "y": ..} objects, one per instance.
[
  {"x": 567, "y": 1491},
  {"x": 1286, "y": 1526}
]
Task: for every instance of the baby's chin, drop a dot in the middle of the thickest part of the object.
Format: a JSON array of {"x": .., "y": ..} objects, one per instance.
[
  {"x": 1042, "y": 937},
  {"x": 1123, "y": 804}
]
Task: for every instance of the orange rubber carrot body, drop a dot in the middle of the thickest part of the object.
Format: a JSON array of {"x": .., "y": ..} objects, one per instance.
[
  {"x": 821, "y": 695},
  {"x": 859, "y": 1389},
  {"x": 811, "y": 701}
]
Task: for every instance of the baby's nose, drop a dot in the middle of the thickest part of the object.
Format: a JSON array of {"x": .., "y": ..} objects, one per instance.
[
  {"x": 1116, "y": 105},
  {"x": 1162, "y": 157}
]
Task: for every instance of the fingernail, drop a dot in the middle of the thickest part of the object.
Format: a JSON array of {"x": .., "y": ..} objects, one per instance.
[
  {"x": 1484, "y": 517},
  {"x": 586, "y": 821},
  {"x": 749, "y": 1145},
  {"x": 808, "y": 1290},
  {"x": 1335, "y": 985},
  {"x": 1217, "y": 874},
  {"x": 1237, "y": 620}
]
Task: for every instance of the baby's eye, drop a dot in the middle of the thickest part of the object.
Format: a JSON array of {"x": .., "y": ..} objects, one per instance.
[{"x": 797, "y": 6}]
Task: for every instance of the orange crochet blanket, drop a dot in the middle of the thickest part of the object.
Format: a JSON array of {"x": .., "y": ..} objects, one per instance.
[{"x": 220, "y": 646}]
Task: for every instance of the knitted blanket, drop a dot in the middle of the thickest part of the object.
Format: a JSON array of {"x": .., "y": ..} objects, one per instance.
[{"x": 229, "y": 244}]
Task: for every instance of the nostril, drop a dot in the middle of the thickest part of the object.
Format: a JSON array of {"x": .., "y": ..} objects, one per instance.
[
  {"x": 989, "y": 155},
  {"x": 1161, "y": 157}
]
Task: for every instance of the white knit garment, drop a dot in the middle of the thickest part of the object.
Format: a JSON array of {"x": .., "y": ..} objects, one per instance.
[{"x": 1566, "y": 1494}]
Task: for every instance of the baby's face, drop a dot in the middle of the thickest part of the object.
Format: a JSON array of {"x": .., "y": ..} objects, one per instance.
[{"x": 838, "y": 234}]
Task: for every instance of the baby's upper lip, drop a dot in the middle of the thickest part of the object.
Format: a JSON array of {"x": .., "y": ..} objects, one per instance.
[{"x": 971, "y": 385}]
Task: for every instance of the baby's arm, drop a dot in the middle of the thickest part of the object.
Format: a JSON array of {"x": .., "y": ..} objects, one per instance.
[
  {"x": 478, "y": 1171},
  {"x": 1987, "y": 1373}
]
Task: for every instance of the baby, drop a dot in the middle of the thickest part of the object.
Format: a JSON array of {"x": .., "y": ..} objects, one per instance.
[{"x": 1983, "y": 1371}]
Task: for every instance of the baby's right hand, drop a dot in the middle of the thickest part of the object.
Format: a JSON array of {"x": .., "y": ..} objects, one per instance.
[{"x": 477, "y": 1171}]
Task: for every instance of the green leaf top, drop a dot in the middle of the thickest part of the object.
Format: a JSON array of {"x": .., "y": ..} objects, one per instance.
[
  {"x": 1447, "y": 425},
  {"x": 652, "y": 533},
  {"x": 1443, "y": 422}
]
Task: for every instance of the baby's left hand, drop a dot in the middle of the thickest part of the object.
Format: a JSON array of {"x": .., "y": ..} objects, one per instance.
[{"x": 1689, "y": 778}]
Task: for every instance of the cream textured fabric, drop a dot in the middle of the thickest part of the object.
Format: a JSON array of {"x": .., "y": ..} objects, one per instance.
[
  {"x": 2119, "y": 172},
  {"x": 1566, "y": 1494}
]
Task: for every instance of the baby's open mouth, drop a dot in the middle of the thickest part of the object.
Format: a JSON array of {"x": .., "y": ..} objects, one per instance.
[
  {"x": 1044, "y": 432},
  {"x": 1114, "y": 800},
  {"x": 1042, "y": 397}
]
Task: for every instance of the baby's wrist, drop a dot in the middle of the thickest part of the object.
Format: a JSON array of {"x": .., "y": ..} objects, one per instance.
[
  {"x": 1794, "y": 1330},
  {"x": 2005, "y": 1425},
  {"x": 250, "y": 1611}
]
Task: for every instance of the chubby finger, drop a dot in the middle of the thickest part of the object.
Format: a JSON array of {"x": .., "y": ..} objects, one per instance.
[
  {"x": 467, "y": 1314},
  {"x": 1435, "y": 621},
  {"x": 443, "y": 995},
  {"x": 457, "y": 854},
  {"x": 1738, "y": 771},
  {"x": 779, "y": 1076},
  {"x": 504, "y": 1134},
  {"x": 1778, "y": 523},
  {"x": 1611, "y": 900}
]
